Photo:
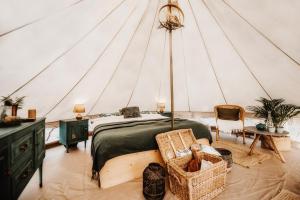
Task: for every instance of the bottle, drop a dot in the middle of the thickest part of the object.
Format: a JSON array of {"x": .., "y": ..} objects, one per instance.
[{"x": 194, "y": 164}]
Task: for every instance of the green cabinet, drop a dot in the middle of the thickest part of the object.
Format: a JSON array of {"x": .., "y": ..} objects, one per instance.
[
  {"x": 22, "y": 151},
  {"x": 72, "y": 131},
  {"x": 5, "y": 178}
]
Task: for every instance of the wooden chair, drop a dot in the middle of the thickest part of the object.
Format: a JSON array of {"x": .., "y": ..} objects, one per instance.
[{"x": 231, "y": 113}]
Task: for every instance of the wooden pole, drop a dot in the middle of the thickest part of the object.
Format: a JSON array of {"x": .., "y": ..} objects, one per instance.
[{"x": 171, "y": 79}]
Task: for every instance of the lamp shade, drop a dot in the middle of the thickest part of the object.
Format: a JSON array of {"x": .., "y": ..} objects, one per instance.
[
  {"x": 161, "y": 106},
  {"x": 79, "y": 108},
  {"x": 32, "y": 113}
]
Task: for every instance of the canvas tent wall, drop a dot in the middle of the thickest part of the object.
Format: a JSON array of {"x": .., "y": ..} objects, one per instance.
[{"x": 111, "y": 54}]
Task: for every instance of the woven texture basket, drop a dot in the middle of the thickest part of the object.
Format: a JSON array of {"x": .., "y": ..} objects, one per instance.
[
  {"x": 282, "y": 143},
  {"x": 200, "y": 185}
]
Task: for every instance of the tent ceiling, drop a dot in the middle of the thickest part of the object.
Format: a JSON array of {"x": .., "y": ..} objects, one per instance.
[{"x": 111, "y": 54}]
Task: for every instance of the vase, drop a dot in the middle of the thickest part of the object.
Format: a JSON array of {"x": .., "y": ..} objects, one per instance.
[
  {"x": 280, "y": 130},
  {"x": 14, "y": 110},
  {"x": 271, "y": 129},
  {"x": 8, "y": 110},
  {"x": 2, "y": 112},
  {"x": 32, "y": 113},
  {"x": 154, "y": 182}
]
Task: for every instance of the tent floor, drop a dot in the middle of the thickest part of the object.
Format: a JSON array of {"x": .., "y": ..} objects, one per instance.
[{"x": 67, "y": 176}]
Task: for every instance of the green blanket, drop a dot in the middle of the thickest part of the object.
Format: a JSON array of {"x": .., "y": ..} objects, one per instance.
[{"x": 116, "y": 139}]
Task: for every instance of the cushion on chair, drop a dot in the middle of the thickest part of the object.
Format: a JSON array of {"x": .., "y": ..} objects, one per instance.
[{"x": 229, "y": 113}]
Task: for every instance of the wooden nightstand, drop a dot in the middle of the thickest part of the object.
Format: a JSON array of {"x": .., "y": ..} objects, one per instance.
[{"x": 72, "y": 131}]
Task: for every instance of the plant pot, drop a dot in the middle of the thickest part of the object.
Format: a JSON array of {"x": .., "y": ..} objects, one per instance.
[
  {"x": 271, "y": 129},
  {"x": 8, "y": 110},
  {"x": 2, "y": 112},
  {"x": 280, "y": 130},
  {"x": 265, "y": 144},
  {"x": 14, "y": 109}
]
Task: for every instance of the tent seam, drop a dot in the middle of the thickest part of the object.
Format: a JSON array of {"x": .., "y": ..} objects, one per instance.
[
  {"x": 67, "y": 51},
  {"x": 262, "y": 34},
  {"x": 114, "y": 72},
  {"x": 207, "y": 53},
  {"x": 144, "y": 56},
  {"x": 94, "y": 63},
  {"x": 39, "y": 19},
  {"x": 162, "y": 64},
  {"x": 242, "y": 59},
  {"x": 185, "y": 70}
]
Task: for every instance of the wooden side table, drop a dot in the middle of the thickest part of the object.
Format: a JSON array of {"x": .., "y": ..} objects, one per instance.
[
  {"x": 269, "y": 138},
  {"x": 72, "y": 131}
]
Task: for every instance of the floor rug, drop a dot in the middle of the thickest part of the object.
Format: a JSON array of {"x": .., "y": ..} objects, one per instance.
[
  {"x": 240, "y": 153},
  {"x": 286, "y": 195}
]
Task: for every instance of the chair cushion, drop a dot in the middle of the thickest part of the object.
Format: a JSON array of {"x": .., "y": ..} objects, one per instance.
[{"x": 229, "y": 113}]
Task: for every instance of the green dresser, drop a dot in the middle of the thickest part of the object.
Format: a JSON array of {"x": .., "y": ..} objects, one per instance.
[
  {"x": 72, "y": 131},
  {"x": 22, "y": 151}
]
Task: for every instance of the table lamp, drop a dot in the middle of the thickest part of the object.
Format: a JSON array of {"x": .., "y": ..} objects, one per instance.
[
  {"x": 79, "y": 108},
  {"x": 161, "y": 107}
]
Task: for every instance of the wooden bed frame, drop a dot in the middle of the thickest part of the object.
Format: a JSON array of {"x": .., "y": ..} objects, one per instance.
[{"x": 128, "y": 167}]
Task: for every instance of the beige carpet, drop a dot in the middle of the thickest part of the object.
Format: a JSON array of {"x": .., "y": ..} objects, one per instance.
[
  {"x": 67, "y": 176},
  {"x": 286, "y": 195},
  {"x": 240, "y": 153}
]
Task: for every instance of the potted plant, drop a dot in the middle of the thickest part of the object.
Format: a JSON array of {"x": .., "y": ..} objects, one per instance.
[
  {"x": 15, "y": 104},
  {"x": 7, "y": 100},
  {"x": 284, "y": 112},
  {"x": 268, "y": 105},
  {"x": 280, "y": 112}
]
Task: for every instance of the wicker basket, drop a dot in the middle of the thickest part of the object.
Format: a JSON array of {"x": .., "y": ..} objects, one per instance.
[
  {"x": 282, "y": 143},
  {"x": 199, "y": 185}
]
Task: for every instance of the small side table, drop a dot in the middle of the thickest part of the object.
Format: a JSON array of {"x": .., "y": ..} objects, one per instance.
[
  {"x": 72, "y": 131},
  {"x": 269, "y": 137}
]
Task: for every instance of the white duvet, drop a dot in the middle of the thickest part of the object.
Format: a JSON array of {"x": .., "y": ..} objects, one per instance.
[{"x": 104, "y": 120}]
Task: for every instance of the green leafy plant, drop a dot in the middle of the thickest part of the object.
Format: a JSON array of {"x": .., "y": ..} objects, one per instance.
[
  {"x": 8, "y": 101},
  {"x": 19, "y": 101},
  {"x": 284, "y": 112},
  {"x": 280, "y": 112}
]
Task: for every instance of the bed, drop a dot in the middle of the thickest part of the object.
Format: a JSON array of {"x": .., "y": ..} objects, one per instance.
[{"x": 130, "y": 136}]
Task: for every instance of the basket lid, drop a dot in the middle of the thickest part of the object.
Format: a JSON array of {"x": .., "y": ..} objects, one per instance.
[{"x": 175, "y": 142}]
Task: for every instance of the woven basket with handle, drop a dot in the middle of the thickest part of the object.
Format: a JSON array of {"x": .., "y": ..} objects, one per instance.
[{"x": 200, "y": 185}]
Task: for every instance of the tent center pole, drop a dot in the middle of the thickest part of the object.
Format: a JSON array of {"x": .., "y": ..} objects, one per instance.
[{"x": 171, "y": 79}]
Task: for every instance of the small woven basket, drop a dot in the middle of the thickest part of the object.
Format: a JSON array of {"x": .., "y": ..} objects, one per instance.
[
  {"x": 200, "y": 185},
  {"x": 227, "y": 156}
]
